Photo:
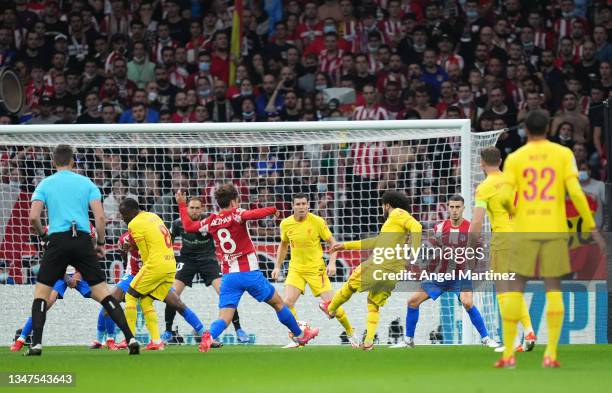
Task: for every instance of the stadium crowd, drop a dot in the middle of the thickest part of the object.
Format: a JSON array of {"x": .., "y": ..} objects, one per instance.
[{"x": 168, "y": 61}]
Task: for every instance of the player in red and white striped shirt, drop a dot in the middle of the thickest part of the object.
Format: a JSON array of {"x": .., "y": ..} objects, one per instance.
[
  {"x": 239, "y": 262},
  {"x": 449, "y": 234}
]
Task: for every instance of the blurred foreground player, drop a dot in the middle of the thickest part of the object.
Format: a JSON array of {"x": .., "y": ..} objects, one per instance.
[{"x": 543, "y": 173}]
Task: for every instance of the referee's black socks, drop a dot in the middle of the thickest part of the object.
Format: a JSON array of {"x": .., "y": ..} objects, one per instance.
[
  {"x": 39, "y": 315},
  {"x": 114, "y": 310}
]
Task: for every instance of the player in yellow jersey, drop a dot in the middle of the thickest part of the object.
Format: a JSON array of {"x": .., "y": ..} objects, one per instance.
[
  {"x": 375, "y": 275},
  {"x": 543, "y": 173},
  {"x": 495, "y": 197},
  {"x": 156, "y": 276},
  {"x": 303, "y": 232}
]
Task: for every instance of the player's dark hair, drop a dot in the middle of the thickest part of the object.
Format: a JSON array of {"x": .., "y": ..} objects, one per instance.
[
  {"x": 396, "y": 199},
  {"x": 536, "y": 122},
  {"x": 128, "y": 205},
  {"x": 456, "y": 198},
  {"x": 62, "y": 155},
  {"x": 300, "y": 195},
  {"x": 225, "y": 194},
  {"x": 491, "y": 155}
]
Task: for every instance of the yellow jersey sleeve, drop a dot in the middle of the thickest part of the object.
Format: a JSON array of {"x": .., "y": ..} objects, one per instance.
[
  {"x": 483, "y": 193},
  {"x": 571, "y": 169}
]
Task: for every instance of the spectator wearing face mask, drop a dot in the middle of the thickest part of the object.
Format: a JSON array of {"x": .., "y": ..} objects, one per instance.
[
  {"x": 595, "y": 191},
  {"x": 564, "y": 135}
]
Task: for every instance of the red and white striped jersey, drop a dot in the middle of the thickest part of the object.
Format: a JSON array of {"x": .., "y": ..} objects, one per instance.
[
  {"x": 375, "y": 112},
  {"x": 368, "y": 158},
  {"x": 230, "y": 232},
  {"x": 330, "y": 64},
  {"x": 543, "y": 39},
  {"x": 134, "y": 262},
  {"x": 448, "y": 236},
  {"x": 390, "y": 29},
  {"x": 563, "y": 26}
]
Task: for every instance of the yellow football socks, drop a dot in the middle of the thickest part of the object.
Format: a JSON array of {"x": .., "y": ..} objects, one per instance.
[
  {"x": 525, "y": 318},
  {"x": 150, "y": 317},
  {"x": 554, "y": 319},
  {"x": 371, "y": 323},
  {"x": 344, "y": 321},
  {"x": 511, "y": 314},
  {"x": 130, "y": 312}
]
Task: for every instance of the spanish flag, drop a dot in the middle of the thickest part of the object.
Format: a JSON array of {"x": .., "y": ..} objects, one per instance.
[{"x": 236, "y": 47}]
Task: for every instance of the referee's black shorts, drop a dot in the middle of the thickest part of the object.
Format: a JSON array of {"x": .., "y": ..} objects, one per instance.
[
  {"x": 64, "y": 250},
  {"x": 188, "y": 266}
]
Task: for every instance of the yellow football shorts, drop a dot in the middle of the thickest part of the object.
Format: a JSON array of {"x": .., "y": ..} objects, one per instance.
[
  {"x": 543, "y": 258},
  {"x": 500, "y": 260},
  {"x": 152, "y": 283},
  {"x": 317, "y": 280}
]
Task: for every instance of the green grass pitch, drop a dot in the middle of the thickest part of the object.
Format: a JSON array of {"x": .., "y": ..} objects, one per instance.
[{"x": 240, "y": 369}]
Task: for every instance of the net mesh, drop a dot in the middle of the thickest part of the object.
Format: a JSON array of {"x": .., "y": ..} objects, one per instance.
[{"x": 343, "y": 170}]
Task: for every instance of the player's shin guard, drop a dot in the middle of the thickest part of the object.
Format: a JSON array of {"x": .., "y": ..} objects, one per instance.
[
  {"x": 236, "y": 321},
  {"x": 113, "y": 309},
  {"x": 511, "y": 314},
  {"x": 39, "y": 315},
  {"x": 477, "y": 321},
  {"x": 286, "y": 318},
  {"x": 192, "y": 319},
  {"x": 150, "y": 317},
  {"x": 371, "y": 323},
  {"x": 525, "y": 318},
  {"x": 554, "y": 319},
  {"x": 344, "y": 321},
  {"x": 340, "y": 297},
  {"x": 109, "y": 324},
  {"x": 216, "y": 328},
  {"x": 412, "y": 317},
  {"x": 101, "y": 328},
  {"x": 169, "y": 315}
]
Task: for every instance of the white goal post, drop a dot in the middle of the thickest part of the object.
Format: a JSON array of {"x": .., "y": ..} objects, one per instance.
[{"x": 342, "y": 165}]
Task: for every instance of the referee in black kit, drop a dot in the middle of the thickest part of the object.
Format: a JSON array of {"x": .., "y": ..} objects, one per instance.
[{"x": 68, "y": 196}]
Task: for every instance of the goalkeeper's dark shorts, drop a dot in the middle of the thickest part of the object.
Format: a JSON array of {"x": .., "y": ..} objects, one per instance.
[
  {"x": 63, "y": 250},
  {"x": 188, "y": 266}
]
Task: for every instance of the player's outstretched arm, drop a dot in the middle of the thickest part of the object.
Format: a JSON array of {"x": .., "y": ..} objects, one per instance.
[
  {"x": 258, "y": 214},
  {"x": 188, "y": 224}
]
